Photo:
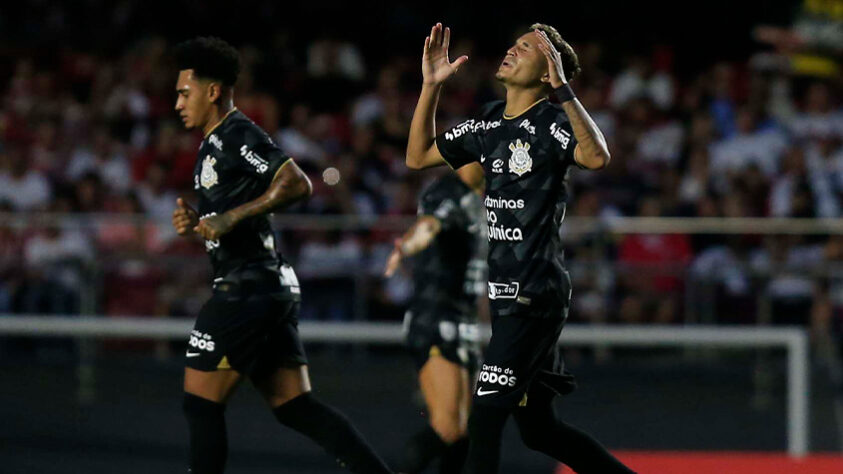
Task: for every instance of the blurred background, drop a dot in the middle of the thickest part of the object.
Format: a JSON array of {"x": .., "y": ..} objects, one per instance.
[{"x": 721, "y": 207}]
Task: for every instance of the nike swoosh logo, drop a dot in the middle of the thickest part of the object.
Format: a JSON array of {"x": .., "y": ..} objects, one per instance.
[
  {"x": 482, "y": 158},
  {"x": 193, "y": 354},
  {"x": 481, "y": 392}
]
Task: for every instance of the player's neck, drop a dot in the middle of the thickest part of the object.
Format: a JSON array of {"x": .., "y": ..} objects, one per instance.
[
  {"x": 519, "y": 100},
  {"x": 217, "y": 115}
]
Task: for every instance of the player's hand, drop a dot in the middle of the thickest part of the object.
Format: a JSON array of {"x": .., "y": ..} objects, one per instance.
[
  {"x": 214, "y": 227},
  {"x": 554, "y": 60},
  {"x": 185, "y": 218},
  {"x": 394, "y": 260},
  {"x": 436, "y": 66}
]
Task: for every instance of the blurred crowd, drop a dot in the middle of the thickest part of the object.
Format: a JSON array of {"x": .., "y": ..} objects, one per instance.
[{"x": 95, "y": 135}]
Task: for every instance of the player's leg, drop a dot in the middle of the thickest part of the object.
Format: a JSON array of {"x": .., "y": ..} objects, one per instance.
[
  {"x": 444, "y": 385},
  {"x": 205, "y": 395},
  {"x": 515, "y": 353},
  {"x": 454, "y": 458},
  {"x": 280, "y": 374},
  {"x": 208, "y": 382},
  {"x": 287, "y": 390},
  {"x": 542, "y": 430}
]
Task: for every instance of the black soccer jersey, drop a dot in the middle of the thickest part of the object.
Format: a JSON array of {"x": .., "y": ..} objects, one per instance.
[
  {"x": 449, "y": 274},
  {"x": 526, "y": 160},
  {"x": 237, "y": 161}
]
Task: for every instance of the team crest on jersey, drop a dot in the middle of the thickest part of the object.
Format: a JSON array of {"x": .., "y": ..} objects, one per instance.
[
  {"x": 520, "y": 161},
  {"x": 208, "y": 177}
]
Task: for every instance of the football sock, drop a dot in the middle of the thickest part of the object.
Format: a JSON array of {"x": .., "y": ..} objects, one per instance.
[
  {"x": 485, "y": 427},
  {"x": 208, "y": 442},
  {"x": 331, "y": 430},
  {"x": 421, "y": 449},
  {"x": 453, "y": 459}
]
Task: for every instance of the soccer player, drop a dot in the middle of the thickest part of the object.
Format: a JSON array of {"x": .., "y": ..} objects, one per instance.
[
  {"x": 448, "y": 245},
  {"x": 249, "y": 326},
  {"x": 524, "y": 147}
]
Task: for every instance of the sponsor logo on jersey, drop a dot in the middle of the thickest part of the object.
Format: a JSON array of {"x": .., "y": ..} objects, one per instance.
[
  {"x": 494, "y": 375},
  {"x": 520, "y": 161},
  {"x": 501, "y": 232},
  {"x": 200, "y": 341},
  {"x": 503, "y": 291},
  {"x": 560, "y": 135},
  {"x": 254, "y": 159},
  {"x": 471, "y": 126},
  {"x": 503, "y": 203},
  {"x": 208, "y": 176},
  {"x": 215, "y": 140},
  {"x": 497, "y": 166},
  {"x": 525, "y": 124}
]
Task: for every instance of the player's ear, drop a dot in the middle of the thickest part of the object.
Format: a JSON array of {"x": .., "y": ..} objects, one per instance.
[{"x": 214, "y": 91}]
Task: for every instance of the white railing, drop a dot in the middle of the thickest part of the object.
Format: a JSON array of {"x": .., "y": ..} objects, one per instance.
[
  {"x": 793, "y": 340},
  {"x": 574, "y": 225}
]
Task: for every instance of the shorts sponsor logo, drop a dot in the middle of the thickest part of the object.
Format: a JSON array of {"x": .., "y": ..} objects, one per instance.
[
  {"x": 494, "y": 375},
  {"x": 503, "y": 291},
  {"x": 199, "y": 341}
]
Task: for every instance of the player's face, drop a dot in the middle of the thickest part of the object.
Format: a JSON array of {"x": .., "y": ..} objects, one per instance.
[
  {"x": 524, "y": 63},
  {"x": 192, "y": 102}
]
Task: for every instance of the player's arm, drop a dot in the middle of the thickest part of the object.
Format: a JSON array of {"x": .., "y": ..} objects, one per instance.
[
  {"x": 289, "y": 185},
  {"x": 422, "y": 151},
  {"x": 591, "y": 150},
  {"x": 416, "y": 239}
]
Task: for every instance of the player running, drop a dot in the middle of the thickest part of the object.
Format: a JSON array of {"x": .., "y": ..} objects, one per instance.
[
  {"x": 249, "y": 327},
  {"x": 524, "y": 147},
  {"x": 448, "y": 246}
]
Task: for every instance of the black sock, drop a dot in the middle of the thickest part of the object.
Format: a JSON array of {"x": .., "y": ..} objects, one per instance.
[
  {"x": 331, "y": 430},
  {"x": 453, "y": 460},
  {"x": 543, "y": 431},
  {"x": 421, "y": 449},
  {"x": 208, "y": 442},
  {"x": 485, "y": 427}
]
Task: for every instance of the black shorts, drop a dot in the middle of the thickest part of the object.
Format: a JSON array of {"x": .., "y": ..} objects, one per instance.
[
  {"x": 522, "y": 362},
  {"x": 254, "y": 334},
  {"x": 456, "y": 341}
]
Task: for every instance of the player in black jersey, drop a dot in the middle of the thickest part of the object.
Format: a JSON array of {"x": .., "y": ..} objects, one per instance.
[
  {"x": 523, "y": 148},
  {"x": 249, "y": 326},
  {"x": 447, "y": 244}
]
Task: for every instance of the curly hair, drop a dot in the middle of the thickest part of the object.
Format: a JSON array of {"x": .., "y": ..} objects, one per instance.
[
  {"x": 210, "y": 58},
  {"x": 570, "y": 61}
]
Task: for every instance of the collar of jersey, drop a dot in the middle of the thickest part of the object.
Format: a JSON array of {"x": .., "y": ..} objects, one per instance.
[
  {"x": 511, "y": 117},
  {"x": 223, "y": 120}
]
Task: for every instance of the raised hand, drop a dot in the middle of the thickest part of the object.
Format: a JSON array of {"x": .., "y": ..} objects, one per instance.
[
  {"x": 436, "y": 66},
  {"x": 185, "y": 218},
  {"x": 554, "y": 60}
]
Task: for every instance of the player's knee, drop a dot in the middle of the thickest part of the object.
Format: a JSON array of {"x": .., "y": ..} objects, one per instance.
[
  {"x": 195, "y": 407},
  {"x": 534, "y": 431},
  {"x": 448, "y": 427}
]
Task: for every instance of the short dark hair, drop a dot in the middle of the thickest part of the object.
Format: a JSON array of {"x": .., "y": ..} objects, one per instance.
[
  {"x": 210, "y": 58},
  {"x": 570, "y": 61}
]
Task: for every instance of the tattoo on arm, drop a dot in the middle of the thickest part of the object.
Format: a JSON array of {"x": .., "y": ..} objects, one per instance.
[
  {"x": 289, "y": 185},
  {"x": 591, "y": 151}
]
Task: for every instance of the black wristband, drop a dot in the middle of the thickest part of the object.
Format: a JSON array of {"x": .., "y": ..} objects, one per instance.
[{"x": 564, "y": 93}]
